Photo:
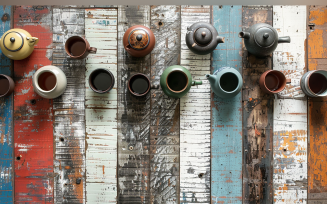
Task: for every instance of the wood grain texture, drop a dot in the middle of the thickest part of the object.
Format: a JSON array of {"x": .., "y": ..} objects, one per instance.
[
  {"x": 257, "y": 117},
  {"x": 317, "y": 116},
  {"x": 101, "y": 109},
  {"x": 226, "y": 124},
  {"x": 69, "y": 111},
  {"x": 33, "y": 130},
  {"x": 6, "y": 119},
  {"x": 133, "y": 115},
  {"x": 164, "y": 113},
  {"x": 195, "y": 117},
  {"x": 290, "y": 114}
]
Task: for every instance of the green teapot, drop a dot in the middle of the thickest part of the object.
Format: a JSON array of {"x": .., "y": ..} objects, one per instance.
[{"x": 176, "y": 81}]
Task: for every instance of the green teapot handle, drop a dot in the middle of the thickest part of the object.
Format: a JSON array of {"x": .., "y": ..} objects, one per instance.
[{"x": 194, "y": 83}]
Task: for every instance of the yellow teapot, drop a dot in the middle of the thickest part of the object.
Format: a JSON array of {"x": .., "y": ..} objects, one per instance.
[{"x": 17, "y": 44}]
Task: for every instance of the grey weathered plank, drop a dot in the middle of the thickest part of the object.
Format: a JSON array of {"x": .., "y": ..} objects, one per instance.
[
  {"x": 69, "y": 120},
  {"x": 164, "y": 127},
  {"x": 257, "y": 118},
  {"x": 133, "y": 115}
]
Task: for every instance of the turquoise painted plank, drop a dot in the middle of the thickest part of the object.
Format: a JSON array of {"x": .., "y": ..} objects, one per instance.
[
  {"x": 226, "y": 142},
  {"x": 6, "y": 118}
]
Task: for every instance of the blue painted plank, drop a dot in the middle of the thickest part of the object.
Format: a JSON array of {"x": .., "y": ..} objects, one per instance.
[
  {"x": 6, "y": 118},
  {"x": 226, "y": 142}
]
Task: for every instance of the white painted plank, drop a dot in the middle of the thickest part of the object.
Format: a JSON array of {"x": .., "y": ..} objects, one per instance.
[
  {"x": 290, "y": 114},
  {"x": 195, "y": 152},
  {"x": 101, "y": 109}
]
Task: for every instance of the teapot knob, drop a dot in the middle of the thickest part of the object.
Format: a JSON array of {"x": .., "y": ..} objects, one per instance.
[
  {"x": 12, "y": 39},
  {"x": 266, "y": 35},
  {"x": 139, "y": 37},
  {"x": 203, "y": 34}
]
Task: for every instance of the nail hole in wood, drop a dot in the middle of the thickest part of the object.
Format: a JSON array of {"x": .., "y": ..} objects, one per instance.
[
  {"x": 130, "y": 147},
  {"x": 285, "y": 150},
  {"x": 18, "y": 158},
  {"x": 160, "y": 23},
  {"x": 220, "y": 6},
  {"x": 201, "y": 175},
  {"x": 33, "y": 101},
  {"x": 62, "y": 139}
]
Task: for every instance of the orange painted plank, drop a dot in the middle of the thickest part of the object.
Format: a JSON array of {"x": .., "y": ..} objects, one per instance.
[
  {"x": 317, "y": 161},
  {"x": 33, "y": 131}
]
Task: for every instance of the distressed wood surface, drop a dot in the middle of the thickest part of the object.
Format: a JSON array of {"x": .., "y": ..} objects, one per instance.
[
  {"x": 257, "y": 117},
  {"x": 33, "y": 130},
  {"x": 317, "y": 116},
  {"x": 101, "y": 109},
  {"x": 164, "y": 114},
  {"x": 195, "y": 117},
  {"x": 133, "y": 115},
  {"x": 6, "y": 119},
  {"x": 290, "y": 114},
  {"x": 69, "y": 111},
  {"x": 226, "y": 122}
]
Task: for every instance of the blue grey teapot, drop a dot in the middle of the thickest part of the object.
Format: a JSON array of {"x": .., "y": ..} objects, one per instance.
[{"x": 226, "y": 82}]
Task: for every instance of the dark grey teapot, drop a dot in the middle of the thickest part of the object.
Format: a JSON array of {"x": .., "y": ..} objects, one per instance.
[
  {"x": 202, "y": 38},
  {"x": 262, "y": 39}
]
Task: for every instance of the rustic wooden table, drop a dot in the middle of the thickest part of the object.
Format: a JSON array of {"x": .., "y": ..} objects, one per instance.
[{"x": 85, "y": 147}]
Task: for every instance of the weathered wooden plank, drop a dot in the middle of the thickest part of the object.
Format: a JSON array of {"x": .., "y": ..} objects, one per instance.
[
  {"x": 290, "y": 115},
  {"x": 226, "y": 125},
  {"x": 33, "y": 131},
  {"x": 101, "y": 117},
  {"x": 69, "y": 111},
  {"x": 317, "y": 117},
  {"x": 164, "y": 127},
  {"x": 133, "y": 115},
  {"x": 6, "y": 119},
  {"x": 257, "y": 118},
  {"x": 194, "y": 152}
]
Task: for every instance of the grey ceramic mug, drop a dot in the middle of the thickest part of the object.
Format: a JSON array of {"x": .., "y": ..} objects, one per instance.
[{"x": 314, "y": 83}]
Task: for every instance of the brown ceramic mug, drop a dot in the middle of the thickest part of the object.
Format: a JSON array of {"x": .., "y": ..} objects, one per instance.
[
  {"x": 78, "y": 47},
  {"x": 7, "y": 85},
  {"x": 139, "y": 85},
  {"x": 273, "y": 81}
]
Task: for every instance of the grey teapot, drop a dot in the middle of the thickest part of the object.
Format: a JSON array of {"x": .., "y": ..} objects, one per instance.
[
  {"x": 202, "y": 38},
  {"x": 262, "y": 39}
]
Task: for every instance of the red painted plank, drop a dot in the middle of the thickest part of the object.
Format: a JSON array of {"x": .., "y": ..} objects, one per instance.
[{"x": 33, "y": 130}]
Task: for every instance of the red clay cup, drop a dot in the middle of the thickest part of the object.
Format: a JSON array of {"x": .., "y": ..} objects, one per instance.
[
  {"x": 273, "y": 81},
  {"x": 78, "y": 47}
]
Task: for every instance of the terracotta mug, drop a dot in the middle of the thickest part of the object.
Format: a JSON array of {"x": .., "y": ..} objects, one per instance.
[
  {"x": 78, "y": 47},
  {"x": 7, "y": 85},
  {"x": 273, "y": 81},
  {"x": 314, "y": 83},
  {"x": 101, "y": 80},
  {"x": 139, "y": 85}
]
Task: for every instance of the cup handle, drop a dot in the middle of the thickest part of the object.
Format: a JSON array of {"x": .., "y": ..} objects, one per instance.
[
  {"x": 194, "y": 83},
  {"x": 288, "y": 81},
  {"x": 155, "y": 86},
  {"x": 93, "y": 50}
]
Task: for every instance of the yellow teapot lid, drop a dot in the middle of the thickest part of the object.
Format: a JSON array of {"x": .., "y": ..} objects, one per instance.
[{"x": 13, "y": 41}]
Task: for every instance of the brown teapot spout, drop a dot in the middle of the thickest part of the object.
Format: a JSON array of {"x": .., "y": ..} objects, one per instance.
[
  {"x": 245, "y": 35},
  {"x": 220, "y": 39},
  {"x": 285, "y": 39}
]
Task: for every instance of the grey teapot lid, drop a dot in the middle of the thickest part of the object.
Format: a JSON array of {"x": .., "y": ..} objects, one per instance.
[
  {"x": 203, "y": 36},
  {"x": 264, "y": 37}
]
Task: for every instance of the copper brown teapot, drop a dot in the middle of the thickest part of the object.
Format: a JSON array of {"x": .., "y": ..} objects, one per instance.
[
  {"x": 139, "y": 41},
  {"x": 262, "y": 39}
]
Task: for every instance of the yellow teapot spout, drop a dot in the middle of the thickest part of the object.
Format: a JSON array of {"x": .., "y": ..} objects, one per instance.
[{"x": 32, "y": 40}]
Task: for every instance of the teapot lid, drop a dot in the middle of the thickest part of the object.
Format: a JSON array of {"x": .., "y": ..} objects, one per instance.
[
  {"x": 265, "y": 37},
  {"x": 138, "y": 39},
  {"x": 202, "y": 36},
  {"x": 13, "y": 41}
]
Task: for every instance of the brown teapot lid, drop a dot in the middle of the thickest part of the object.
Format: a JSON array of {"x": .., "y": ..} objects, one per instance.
[
  {"x": 202, "y": 36},
  {"x": 264, "y": 37},
  {"x": 13, "y": 41},
  {"x": 138, "y": 39}
]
